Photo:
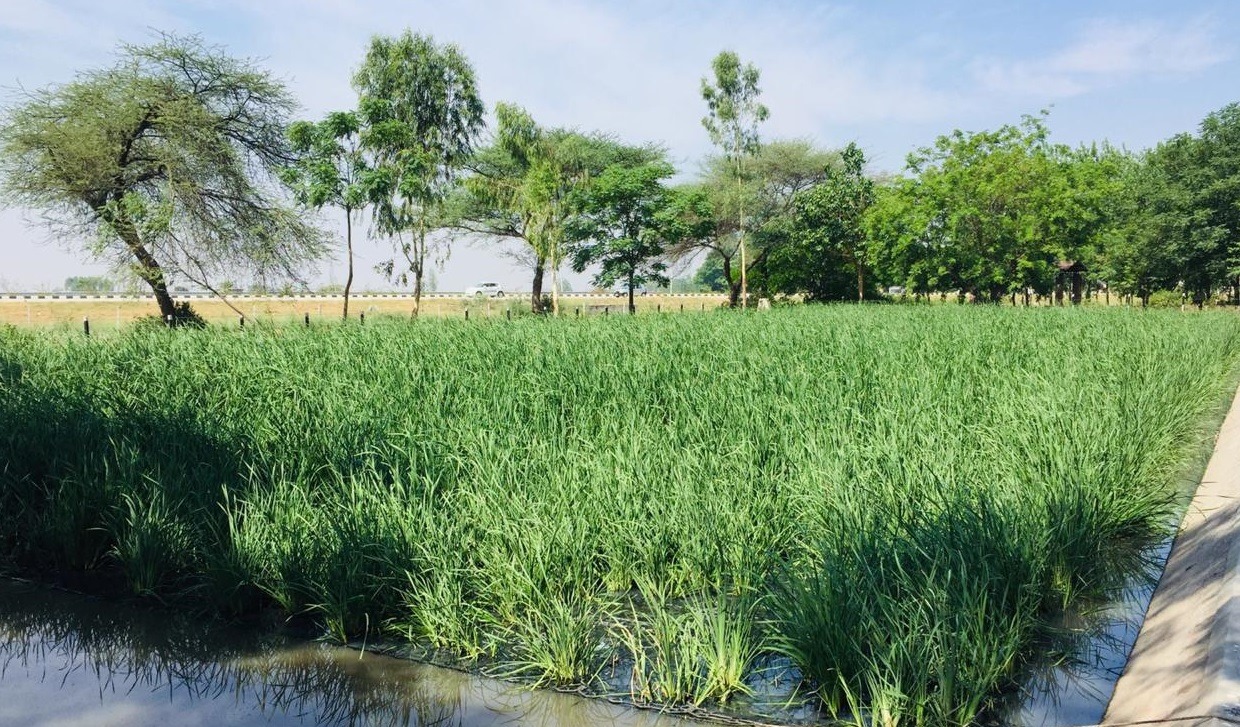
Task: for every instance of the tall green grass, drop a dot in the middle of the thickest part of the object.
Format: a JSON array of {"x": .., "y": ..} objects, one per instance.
[{"x": 898, "y": 499}]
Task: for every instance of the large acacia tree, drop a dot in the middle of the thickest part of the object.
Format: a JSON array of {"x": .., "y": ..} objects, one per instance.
[{"x": 166, "y": 162}]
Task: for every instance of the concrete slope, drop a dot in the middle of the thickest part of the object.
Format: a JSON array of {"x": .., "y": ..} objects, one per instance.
[{"x": 1185, "y": 665}]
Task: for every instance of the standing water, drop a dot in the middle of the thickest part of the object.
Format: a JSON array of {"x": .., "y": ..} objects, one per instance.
[{"x": 68, "y": 660}]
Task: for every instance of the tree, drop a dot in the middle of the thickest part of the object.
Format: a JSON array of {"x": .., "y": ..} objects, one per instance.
[
  {"x": 1195, "y": 192},
  {"x": 732, "y": 122},
  {"x": 619, "y": 226},
  {"x": 986, "y": 213},
  {"x": 779, "y": 172},
  {"x": 709, "y": 275},
  {"x": 166, "y": 161},
  {"x": 1133, "y": 257},
  {"x": 332, "y": 170},
  {"x": 829, "y": 226},
  {"x": 89, "y": 284},
  {"x": 423, "y": 115},
  {"x": 526, "y": 186}
]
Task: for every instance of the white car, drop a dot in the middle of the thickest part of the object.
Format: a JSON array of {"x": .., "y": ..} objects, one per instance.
[{"x": 489, "y": 290}]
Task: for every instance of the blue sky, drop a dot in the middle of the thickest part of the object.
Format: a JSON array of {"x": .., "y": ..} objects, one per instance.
[{"x": 888, "y": 75}]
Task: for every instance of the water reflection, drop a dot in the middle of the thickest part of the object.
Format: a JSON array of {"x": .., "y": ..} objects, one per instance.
[
  {"x": 69, "y": 660},
  {"x": 1076, "y": 679}
]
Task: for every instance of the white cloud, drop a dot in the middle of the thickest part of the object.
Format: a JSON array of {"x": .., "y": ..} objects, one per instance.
[
  {"x": 631, "y": 68},
  {"x": 1107, "y": 52}
]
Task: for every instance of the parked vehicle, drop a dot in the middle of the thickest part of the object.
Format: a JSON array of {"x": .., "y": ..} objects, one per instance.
[{"x": 488, "y": 290}]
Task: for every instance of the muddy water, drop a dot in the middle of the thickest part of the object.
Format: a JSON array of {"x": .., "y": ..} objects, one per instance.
[{"x": 67, "y": 660}]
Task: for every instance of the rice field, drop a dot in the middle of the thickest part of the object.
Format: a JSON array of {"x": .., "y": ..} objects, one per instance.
[{"x": 893, "y": 503}]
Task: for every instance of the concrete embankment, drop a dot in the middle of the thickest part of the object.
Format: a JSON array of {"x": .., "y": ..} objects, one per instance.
[{"x": 1185, "y": 666}]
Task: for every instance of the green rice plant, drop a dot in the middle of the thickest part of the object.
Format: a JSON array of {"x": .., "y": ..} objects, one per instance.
[
  {"x": 152, "y": 543},
  {"x": 901, "y": 500},
  {"x": 664, "y": 648},
  {"x": 559, "y": 644},
  {"x": 698, "y": 651}
]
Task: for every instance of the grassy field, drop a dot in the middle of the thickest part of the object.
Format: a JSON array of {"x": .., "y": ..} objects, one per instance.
[
  {"x": 109, "y": 314},
  {"x": 898, "y": 500}
]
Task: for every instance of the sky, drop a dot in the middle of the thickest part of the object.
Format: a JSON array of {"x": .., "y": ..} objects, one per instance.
[{"x": 890, "y": 75}]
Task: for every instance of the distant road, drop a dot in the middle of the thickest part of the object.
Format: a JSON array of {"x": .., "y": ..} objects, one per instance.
[
  {"x": 314, "y": 296},
  {"x": 42, "y": 309}
]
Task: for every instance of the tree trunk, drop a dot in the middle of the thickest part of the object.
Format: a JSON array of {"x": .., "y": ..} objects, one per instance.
[
  {"x": 744, "y": 277},
  {"x": 348, "y": 239},
  {"x": 555, "y": 289},
  {"x": 150, "y": 270},
  {"x": 417, "y": 291},
  {"x": 419, "y": 266},
  {"x": 860, "y": 282},
  {"x": 632, "y": 305},
  {"x": 540, "y": 267},
  {"x": 734, "y": 286}
]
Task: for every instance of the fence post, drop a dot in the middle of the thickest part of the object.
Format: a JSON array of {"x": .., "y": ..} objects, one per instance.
[
  {"x": 307, "y": 319},
  {"x": 466, "y": 314},
  {"x": 682, "y": 307},
  {"x": 658, "y": 308},
  {"x": 362, "y": 316},
  {"x": 578, "y": 311},
  {"x": 169, "y": 320},
  {"x": 242, "y": 320},
  {"x": 86, "y": 326},
  {"x": 508, "y": 314},
  {"x": 606, "y": 311}
]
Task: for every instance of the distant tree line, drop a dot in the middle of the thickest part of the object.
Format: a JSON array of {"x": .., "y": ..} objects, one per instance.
[{"x": 181, "y": 162}]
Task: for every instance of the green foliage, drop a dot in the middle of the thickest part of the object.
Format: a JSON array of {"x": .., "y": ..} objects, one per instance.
[
  {"x": 422, "y": 115},
  {"x": 89, "y": 284},
  {"x": 332, "y": 170},
  {"x": 709, "y": 274},
  {"x": 986, "y": 213},
  {"x": 619, "y": 226},
  {"x": 828, "y": 237},
  {"x": 1166, "y": 299},
  {"x": 165, "y": 160},
  {"x": 732, "y": 122},
  {"x": 732, "y": 100},
  {"x": 532, "y": 182},
  {"x": 1190, "y": 196},
  {"x": 702, "y": 217}
]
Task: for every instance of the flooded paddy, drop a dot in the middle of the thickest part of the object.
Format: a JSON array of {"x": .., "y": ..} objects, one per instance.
[
  {"x": 68, "y": 659},
  {"x": 890, "y": 506}
]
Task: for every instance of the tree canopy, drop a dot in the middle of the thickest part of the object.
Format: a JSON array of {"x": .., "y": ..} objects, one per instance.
[
  {"x": 332, "y": 170},
  {"x": 620, "y": 226},
  {"x": 166, "y": 161},
  {"x": 422, "y": 114}
]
